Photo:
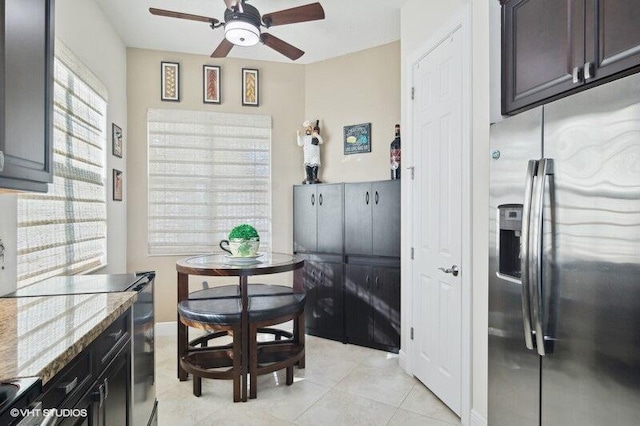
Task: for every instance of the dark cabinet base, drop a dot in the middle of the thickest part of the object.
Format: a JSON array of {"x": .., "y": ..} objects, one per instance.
[
  {"x": 321, "y": 278},
  {"x": 372, "y": 306}
]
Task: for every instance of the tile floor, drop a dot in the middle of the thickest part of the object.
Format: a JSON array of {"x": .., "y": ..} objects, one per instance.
[{"x": 341, "y": 385}]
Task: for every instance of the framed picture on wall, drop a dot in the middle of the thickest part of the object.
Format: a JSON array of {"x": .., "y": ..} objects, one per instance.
[
  {"x": 116, "y": 140},
  {"x": 357, "y": 138},
  {"x": 211, "y": 84},
  {"x": 170, "y": 81},
  {"x": 117, "y": 185},
  {"x": 250, "y": 87}
]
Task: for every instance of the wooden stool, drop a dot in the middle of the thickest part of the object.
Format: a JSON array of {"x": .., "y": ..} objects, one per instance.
[
  {"x": 267, "y": 357},
  {"x": 221, "y": 317}
]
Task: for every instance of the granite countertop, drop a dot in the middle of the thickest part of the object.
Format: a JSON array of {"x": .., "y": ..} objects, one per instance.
[{"x": 40, "y": 335}]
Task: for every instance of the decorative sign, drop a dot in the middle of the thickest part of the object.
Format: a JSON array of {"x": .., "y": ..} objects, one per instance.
[
  {"x": 170, "y": 86},
  {"x": 211, "y": 84},
  {"x": 357, "y": 138},
  {"x": 250, "y": 87}
]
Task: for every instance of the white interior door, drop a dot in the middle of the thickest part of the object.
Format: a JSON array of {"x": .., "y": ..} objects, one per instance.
[{"x": 437, "y": 221}]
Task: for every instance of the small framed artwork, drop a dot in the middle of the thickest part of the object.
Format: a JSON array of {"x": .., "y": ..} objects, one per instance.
[
  {"x": 211, "y": 84},
  {"x": 357, "y": 138},
  {"x": 116, "y": 140},
  {"x": 250, "y": 87},
  {"x": 170, "y": 84},
  {"x": 117, "y": 185}
]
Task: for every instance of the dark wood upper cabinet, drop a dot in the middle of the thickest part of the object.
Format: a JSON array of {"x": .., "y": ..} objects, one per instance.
[
  {"x": 553, "y": 48},
  {"x": 613, "y": 41},
  {"x": 372, "y": 218},
  {"x": 318, "y": 218},
  {"x": 26, "y": 94}
]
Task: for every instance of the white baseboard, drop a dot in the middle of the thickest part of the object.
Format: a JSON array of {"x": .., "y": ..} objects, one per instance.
[
  {"x": 476, "y": 419},
  {"x": 402, "y": 360},
  {"x": 166, "y": 329}
]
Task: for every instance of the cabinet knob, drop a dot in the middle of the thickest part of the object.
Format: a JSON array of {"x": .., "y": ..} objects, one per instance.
[
  {"x": 588, "y": 71},
  {"x": 576, "y": 75}
]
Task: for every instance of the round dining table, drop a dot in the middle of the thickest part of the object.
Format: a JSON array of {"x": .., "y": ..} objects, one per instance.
[{"x": 227, "y": 266}]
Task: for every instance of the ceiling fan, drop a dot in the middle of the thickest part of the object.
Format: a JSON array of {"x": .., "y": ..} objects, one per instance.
[{"x": 242, "y": 25}]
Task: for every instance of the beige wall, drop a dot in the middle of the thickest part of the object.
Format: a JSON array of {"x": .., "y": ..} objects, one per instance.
[
  {"x": 99, "y": 47},
  {"x": 281, "y": 96},
  {"x": 356, "y": 88},
  {"x": 420, "y": 20},
  {"x": 363, "y": 87}
]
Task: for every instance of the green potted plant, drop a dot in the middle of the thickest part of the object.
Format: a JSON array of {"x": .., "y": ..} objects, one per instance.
[{"x": 243, "y": 241}]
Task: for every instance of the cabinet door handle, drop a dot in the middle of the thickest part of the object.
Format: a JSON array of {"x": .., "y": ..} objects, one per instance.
[
  {"x": 366, "y": 198},
  {"x": 320, "y": 199},
  {"x": 377, "y": 197},
  {"x": 377, "y": 282},
  {"x": 106, "y": 388},
  {"x": 576, "y": 75},
  {"x": 367, "y": 281},
  {"x": 116, "y": 335},
  {"x": 313, "y": 199},
  {"x": 587, "y": 71},
  {"x": 98, "y": 396},
  {"x": 1, "y": 161},
  {"x": 70, "y": 386}
]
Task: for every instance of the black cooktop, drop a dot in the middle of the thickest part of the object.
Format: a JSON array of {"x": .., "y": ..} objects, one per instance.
[{"x": 19, "y": 394}]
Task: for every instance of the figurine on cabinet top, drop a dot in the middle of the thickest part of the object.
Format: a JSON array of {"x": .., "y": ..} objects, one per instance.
[{"x": 311, "y": 141}]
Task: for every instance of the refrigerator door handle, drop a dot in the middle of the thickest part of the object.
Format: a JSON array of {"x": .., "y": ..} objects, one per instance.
[
  {"x": 545, "y": 168},
  {"x": 524, "y": 253}
]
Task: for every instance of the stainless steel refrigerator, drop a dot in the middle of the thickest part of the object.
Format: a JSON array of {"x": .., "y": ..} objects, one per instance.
[{"x": 564, "y": 268}]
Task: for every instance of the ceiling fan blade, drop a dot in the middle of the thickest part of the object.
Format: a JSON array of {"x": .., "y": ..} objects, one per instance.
[
  {"x": 223, "y": 49},
  {"x": 310, "y": 12},
  {"x": 172, "y": 14},
  {"x": 280, "y": 46}
]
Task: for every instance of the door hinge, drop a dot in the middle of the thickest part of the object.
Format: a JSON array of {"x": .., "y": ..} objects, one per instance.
[
  {"x": 411, "y": 333},
  {"x": 413, "y": 93},
  {"x": 412, "y": 253}
]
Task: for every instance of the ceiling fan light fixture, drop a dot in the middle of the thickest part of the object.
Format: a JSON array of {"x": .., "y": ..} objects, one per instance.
[{"x": 241, "y": 33}]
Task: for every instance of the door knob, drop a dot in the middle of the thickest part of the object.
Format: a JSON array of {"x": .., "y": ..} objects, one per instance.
[{"x": 453, "y": 270}]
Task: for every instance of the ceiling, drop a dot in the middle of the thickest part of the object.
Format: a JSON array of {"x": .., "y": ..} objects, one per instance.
[{"x": 349, "y": 26}]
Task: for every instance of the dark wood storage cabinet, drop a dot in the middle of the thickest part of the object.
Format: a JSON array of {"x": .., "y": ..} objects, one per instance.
[
  {"x": 318, "y": 218},
  {"x": 372, "y": 218},
  {"x": 321, "y": 277},
  {"x": 372, "y": 295},
  {"x": 352, "y": 278},
  {"x": 26, "y": 94},
  {"x": 97, "y": 382},
  {"x": 552, "y": 48}
]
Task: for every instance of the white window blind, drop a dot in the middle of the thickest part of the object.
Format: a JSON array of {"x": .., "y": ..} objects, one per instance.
[
  {"x": 64, "y": 231},
  {"x": 208, "y": 172}
]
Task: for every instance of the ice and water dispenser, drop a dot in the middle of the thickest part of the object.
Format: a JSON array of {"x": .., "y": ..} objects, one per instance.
[{"x": 510, "y": 227}]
